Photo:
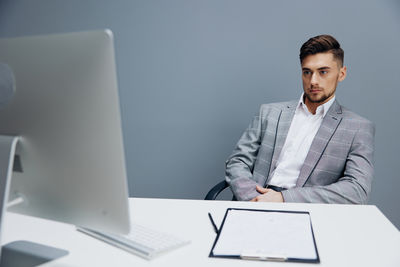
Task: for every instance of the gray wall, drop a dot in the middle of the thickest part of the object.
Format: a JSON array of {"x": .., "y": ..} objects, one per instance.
[{"x": 193, "y": 73}]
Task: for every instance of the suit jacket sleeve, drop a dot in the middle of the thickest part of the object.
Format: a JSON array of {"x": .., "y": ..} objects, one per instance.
[
  {"x": 355, "y": 184},
  {"x": 240, "y": 165}
]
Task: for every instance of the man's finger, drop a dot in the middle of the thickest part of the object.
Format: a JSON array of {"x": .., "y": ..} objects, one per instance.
[
  {"x": 255, "y": 199},
  {"x": 261, "y": 189}
]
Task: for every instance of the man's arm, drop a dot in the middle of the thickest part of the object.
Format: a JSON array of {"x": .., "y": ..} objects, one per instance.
[
  {"x": 240, "y": 165},
  {"x": 355, "y": 185}
]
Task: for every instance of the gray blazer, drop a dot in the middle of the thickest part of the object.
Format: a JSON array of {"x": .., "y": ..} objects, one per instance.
[{"x": 338, "y": 167}]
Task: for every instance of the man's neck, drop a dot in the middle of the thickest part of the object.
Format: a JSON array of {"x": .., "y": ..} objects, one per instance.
[{"x": 312, "y": 106}]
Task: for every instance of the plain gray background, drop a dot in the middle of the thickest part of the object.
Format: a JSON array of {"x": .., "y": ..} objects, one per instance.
[{"x": 193, "y": 73}]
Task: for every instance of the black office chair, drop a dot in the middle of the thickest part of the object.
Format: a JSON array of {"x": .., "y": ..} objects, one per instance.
[{"x": 218, "y": 188}]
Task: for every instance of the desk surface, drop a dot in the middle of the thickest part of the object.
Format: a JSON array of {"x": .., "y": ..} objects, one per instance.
[{"x": 346, "y": 235}]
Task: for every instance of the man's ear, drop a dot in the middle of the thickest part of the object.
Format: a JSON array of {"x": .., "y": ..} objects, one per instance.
[{"x": 342, "y": 73}]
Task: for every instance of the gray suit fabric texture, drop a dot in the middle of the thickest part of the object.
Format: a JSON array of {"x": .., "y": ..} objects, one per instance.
[{"x": 338, "y": 167}]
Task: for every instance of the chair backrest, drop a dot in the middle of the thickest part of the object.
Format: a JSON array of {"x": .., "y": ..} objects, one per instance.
[{"x": 216, "y": 190}]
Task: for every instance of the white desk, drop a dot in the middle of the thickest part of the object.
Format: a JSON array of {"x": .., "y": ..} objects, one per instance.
[{"x": 346, "y": 235}]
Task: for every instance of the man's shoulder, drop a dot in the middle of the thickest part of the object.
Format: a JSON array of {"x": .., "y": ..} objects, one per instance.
[
  {"x": 351, "y": 115},
  {"x": 278, "y": 105},
  {"x": 355, "y": 119},
  {"x": 272, "y": 110}
]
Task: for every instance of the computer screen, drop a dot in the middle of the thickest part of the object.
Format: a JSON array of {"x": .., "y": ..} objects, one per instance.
[{"x": 69, "y": 164}]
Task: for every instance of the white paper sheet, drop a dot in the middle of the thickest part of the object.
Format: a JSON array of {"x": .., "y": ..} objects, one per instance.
[{"x": 266, "y": 233}]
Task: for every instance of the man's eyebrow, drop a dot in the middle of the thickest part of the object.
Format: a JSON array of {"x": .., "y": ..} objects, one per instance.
[{"x": 322, "y": 68}]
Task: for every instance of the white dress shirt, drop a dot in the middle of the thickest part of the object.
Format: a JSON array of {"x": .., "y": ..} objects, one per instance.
[{"x": 301, "y": 133}]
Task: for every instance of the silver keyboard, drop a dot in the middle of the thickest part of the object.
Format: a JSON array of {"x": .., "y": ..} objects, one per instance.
[{"x": 142, "y": 241}]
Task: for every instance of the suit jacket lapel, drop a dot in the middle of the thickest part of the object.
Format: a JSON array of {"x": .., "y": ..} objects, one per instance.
[
  {"x": 321, "y": 140},
  {"x": 284, "y": 122}
]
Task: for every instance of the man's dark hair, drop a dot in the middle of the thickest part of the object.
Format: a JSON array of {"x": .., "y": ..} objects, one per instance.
[{"x": 322, "y": 44}]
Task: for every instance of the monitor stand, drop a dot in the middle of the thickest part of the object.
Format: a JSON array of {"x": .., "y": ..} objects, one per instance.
[{"x": 18, "y": 253}]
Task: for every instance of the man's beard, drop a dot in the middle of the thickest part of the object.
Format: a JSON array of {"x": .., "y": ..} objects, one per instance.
[{"x": 320, "y": 100}]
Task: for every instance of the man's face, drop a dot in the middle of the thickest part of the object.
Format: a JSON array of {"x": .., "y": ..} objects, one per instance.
[{"x": 321, "y": 74}]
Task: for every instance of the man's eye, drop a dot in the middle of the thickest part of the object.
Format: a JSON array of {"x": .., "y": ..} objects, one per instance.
[
  {"x": 306, "y": 72},
  {"x": 323, "y": 72}
]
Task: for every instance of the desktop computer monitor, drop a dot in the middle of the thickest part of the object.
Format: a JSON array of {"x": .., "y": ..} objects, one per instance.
[{"x": 69, "y": 161}]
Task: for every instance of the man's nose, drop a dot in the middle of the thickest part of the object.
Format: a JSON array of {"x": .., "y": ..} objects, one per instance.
[{"x": 314, "y": 79}]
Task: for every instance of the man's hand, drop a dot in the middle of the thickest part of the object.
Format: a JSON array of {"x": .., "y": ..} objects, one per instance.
[{"x": 268, "y": 195}]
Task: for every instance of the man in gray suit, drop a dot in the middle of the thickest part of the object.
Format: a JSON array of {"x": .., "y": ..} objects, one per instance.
[{"x": 309, "y": 150}]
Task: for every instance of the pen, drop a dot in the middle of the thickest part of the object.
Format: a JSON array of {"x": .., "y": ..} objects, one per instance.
[{"x": 213, "y": 223}]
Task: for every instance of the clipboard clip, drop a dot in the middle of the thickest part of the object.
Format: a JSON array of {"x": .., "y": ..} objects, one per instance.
[{"x": 262, "y": 257}]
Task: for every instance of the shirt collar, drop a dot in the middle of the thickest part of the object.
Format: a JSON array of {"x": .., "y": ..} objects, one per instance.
[{"x": 321, "y": 110}]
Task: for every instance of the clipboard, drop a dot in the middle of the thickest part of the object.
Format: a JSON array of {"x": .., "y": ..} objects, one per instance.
[{"x": 266, "y": 235}]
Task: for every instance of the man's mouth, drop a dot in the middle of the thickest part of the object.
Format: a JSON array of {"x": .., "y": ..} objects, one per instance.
[{"x": 315, "y": 90}]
